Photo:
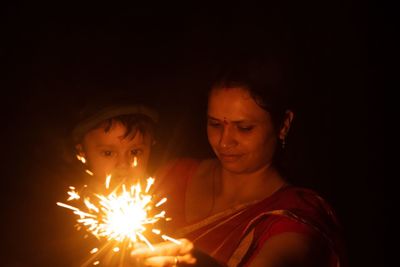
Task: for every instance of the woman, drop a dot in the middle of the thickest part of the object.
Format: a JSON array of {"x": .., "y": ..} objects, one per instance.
[{"x": 240, "y": 210}]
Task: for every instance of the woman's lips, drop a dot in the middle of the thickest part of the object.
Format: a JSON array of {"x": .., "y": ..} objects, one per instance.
[{"x": 229, "y": 157}]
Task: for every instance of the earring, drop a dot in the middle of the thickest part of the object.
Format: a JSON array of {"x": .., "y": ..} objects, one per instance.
[{"x": 283, "y": 143}]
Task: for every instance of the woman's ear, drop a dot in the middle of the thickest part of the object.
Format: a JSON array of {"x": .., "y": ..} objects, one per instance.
[{"x": 287, "y": 122}]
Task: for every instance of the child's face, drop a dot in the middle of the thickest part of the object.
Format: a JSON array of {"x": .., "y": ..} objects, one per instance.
[{"x": 110, "y": 153}]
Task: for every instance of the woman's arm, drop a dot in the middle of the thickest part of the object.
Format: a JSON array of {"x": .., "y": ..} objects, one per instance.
[{"x": 292, "y": 249}]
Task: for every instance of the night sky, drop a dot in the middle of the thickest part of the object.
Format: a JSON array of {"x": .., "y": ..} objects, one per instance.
[{"x": 60, "y": 56}]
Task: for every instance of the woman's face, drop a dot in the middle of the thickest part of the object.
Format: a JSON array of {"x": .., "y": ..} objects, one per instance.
[{"x": 240, "y": 132}]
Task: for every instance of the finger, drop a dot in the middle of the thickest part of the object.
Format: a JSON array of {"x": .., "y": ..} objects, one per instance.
[
  {"x": 165, "y": 249},
  {"x": 185, "y": 246},
  {"x": 187, "y": 258},
  {"x": 161, "y": 261},
  {"x": 139, "y": 246}
]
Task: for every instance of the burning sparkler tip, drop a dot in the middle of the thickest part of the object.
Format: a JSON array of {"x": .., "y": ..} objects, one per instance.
[{"x": 119, "y": 216}]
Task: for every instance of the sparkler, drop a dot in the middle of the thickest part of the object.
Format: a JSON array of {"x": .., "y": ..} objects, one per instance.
[{"x": 123, "y": 217}]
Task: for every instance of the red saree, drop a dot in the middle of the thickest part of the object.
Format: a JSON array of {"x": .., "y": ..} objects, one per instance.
[{"x": 235, "y": 236}]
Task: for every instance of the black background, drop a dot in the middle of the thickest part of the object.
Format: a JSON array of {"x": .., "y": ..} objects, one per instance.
[{"x": 60, "y": 55}]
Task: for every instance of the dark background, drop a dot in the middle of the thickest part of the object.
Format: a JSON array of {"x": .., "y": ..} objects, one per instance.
[{"x": 58, "y": 56}]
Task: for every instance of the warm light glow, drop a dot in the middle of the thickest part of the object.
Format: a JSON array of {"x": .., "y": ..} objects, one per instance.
[
  {"x": 123, "y": 216},
  {"x": 89, "y": 172}
]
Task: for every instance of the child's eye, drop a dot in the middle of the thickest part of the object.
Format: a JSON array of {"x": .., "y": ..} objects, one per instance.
[
  {"x": 107, "y": 153},
  {"x": 136, "y": 152}
]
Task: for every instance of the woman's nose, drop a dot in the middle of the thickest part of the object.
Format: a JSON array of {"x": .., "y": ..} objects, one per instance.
[{"x": 227, "y": 138}]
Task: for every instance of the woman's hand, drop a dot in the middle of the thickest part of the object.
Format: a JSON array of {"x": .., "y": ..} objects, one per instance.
[{"x": 166, "y": 254}]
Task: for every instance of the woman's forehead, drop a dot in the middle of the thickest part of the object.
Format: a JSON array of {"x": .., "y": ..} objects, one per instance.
[{"x": 234, "y": 104}]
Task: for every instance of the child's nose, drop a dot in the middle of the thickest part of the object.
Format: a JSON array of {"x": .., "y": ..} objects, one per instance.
[{"x": 124, "y": 161}]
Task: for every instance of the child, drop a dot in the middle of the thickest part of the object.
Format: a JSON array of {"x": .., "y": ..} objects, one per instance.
[
  {"x": 115, "y": 140},
  {"x": 110, "y": 139}
]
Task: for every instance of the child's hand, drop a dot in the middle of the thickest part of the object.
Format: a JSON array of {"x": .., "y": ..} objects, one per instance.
[{"x": 166, "y": 254}]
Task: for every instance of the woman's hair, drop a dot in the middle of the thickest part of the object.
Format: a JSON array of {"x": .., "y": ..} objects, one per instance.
[{"x": 265, "y": 80}]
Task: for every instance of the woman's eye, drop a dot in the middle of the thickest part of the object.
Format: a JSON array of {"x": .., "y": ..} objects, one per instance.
[
  {"x": 245, "y": 128},
  {"x": 214, "y": 124}
]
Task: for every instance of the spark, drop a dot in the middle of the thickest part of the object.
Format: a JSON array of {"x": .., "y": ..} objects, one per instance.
[
  {"x": 156, "y": 231},
  {"x": 165, "y": 237},
  {"x": 80, "y": 158},
  {"x": 72, "y": 194},
  {"x": 108, "y": 179},
  {"x": 135, "y": 162},
  {"x": 162, "y": 201},
  {"x": 150, "y": 182}
]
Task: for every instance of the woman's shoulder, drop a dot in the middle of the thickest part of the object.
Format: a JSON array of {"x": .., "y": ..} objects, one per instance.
[
  {"x": 300, "y": 210},
  {"x": 302, "y": 204},
  {"x": 294, "y": 195}
]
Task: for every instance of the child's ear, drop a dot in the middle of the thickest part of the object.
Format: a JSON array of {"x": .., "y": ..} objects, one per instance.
[
  {"x": 80, "y": 154},
  {"x": 79, "y": 150}
]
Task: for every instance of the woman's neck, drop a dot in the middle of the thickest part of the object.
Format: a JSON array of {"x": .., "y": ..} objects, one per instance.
[{"x": 240, "y": 188}]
